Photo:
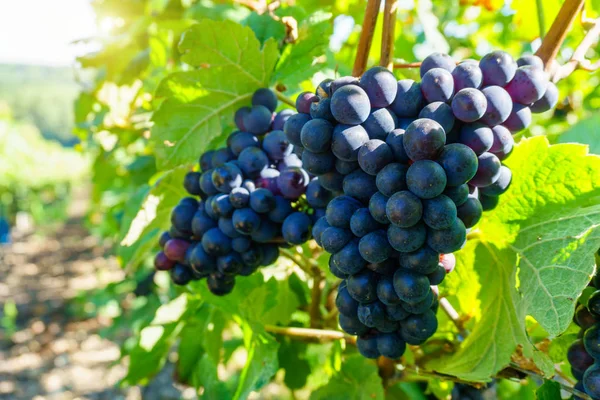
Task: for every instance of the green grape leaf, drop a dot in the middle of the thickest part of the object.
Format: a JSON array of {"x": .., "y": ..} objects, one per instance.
[
  {"x": 287, "y": 303},
  {"x": 232, "y": 65},
  {"x": 358, "y": 380},
  {"x": 265, "y": 27},
  {"x": 585, "y": 131},
  {"x": 261, "y": 363},
  {"x": 550, "y": 390},
  {"x": 532, "y": 255},
  {"x": 146, "y": 215},
  {"x": 301, "y": 60}
]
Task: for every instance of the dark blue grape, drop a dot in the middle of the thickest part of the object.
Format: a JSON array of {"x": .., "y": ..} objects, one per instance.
[
  {"x": 420, "y": 327},
  {"x": 241, "y": 244},
  {"x": 296, "y": 228},
  {"x": 266, "y": 232},
  {"x": 345, "y": 167},
  {"x": 404, "y": 209},
  {"x": 226, "y": 226},
  {"x": 334, "y": 239},
  {"x": 371, "y": 314},
  {"x": 281, "y": 118},
  {"x": 221, "y": 205},
  {"x": 437, "y": 85},
  {"x": 363, "y": 286},
  {"x": 362, "y": 222},
  {"x": 467, "y": 74},
  {"x": 426, "y": 179},
  {"x": 276, "y": 145},
  {"x": 593, "y": 303},
  {"x": 239, "y": 197},
  {"x": 386, "y": 292},
  {"x": 498, "y": 68},
  {"x": 324, "y": 88},
  {"x": 378, "y": 206},
  {"x": 374, "y": 155},
  {"x": 447, "y": 240},
  {"x": 390, "y": 345},
  {"x": 488, "y": 170},
  {"x": 181, "y": 275},
  {"x": 437, "y": 276},
  {"x": 469, "y": 105},
  {"x": 422, "y": 261},
  {"x": 396, "y": 312},
  {"x": 352, "y": 326},
  {"x": 318, "y": 163},
  {"x": 206, "y": 161},
  {"x": 293, "y": 127},
  {"x": 258, "y": 120},
  {"x": 182, "y": 216},
  {"x": 304, "y": 100},
  {"x": 209, "y": 209},
  {"x": 548, "y": 100},
  {"x": 459, "y": 163},
  {"x": 265, "y": 97},
  {"x": 238, "y": 141},
  {"x": 591, "y": 381},
  {"x": 410, "y": 286},
  {"x": 282, "y": 209},
  {"x": 292, "y": 182},
  {"x": 348, "y": 259},
  {"x": 322, "y": 110},
  {"x": 262, "y": 200},
  {"x": 488, "y": 202},
  {"x": 530, "y": 59},
  {"x": 206, "y": 183},
  {"x": 200, "y": 261},
  {"x": 216, "y": 243},
  {"x": 347, "y": 140},
  {"x": 335, "y": 271},
  {"x": 503, "y": 142},
  {"x": 345, "y": 304},
  {"x": 477, "y": 136},
  {"x": 387, "y": 326},
  {"x": 227, "y": 177},
  {"x": 408, "y": 239},
  {"x": 318, "y": 229},
  {"x": 409, "y": 99},
  {"x": 350, "y": 105},
  {"x": 392, "y": 179},
  {"x": 499, "y": 105},
  {"x": 395, "y": 139},
  {"x": 359, "y": 185},
  {"x": 165, "y": 237},
  {"x": 519, "y": 118},
  {"x": 420, "y": 307},
  {"x": 341, "y": 82},
  {"x": 380, "y": 123},
  {"x": 189, "y": 202},
  {"x": 252, "y": 161},
  {"x": 458, "y": 194},
  {"x": 437, "y": 60},
  {"x": 239, "y": 117},
  {"x": 380, "y": 85},
  {"x": 424, "y": 139},
  {"x": 528, "y": 85},
  {"x": 246, "y": 221},
  {"x": 316, "y": 135},
  {"x": 221, "y": 156},
  {"x": 374, "y": 247},
  {"x": 500, "y": 185},
  {"x": 191, "y": 183},
  {"x": 439, "y": 112},
  {"x": 332, "y": 180},
  {"x": 253, "y": 257},
  {"x": 230, "y": 264},
  {"x": 316, "y": 195},
  {"x": 578, "y": 357},
  {"x": 220, "y": 286}
]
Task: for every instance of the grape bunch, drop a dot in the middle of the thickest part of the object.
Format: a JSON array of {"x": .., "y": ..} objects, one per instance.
[
  {"x": 248, "y": 198},
  {"x": 409, "y": 164},
  {"x": 584, "y": 353}
]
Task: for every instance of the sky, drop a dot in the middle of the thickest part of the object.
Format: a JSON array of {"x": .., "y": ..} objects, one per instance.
[{"x": 40, "y": 31}]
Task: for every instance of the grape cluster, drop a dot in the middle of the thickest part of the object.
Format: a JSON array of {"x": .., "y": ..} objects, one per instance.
[
  {"x": 409, "y": 164},
  {"x": 254, "y": 197},
  {"x": 584, "y": 353}
]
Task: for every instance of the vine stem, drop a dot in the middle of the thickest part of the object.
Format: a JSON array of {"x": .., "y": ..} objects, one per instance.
[
  {"x": 310, "y": 334},
  {"x": 366, "y": 37},
  {"x": 315, "y": 298},
  {"x": 388, "y": 35},
  {"x": 563, "y": 386},
  {"x": 451, "y": 312},
  {"x": 407, "y": 65},
  {"x": 558, "y": 31},
  {"x": 578, "y": 60},
  {"x": 540, "y": 16},
  {"x": 283, "y": 98}
]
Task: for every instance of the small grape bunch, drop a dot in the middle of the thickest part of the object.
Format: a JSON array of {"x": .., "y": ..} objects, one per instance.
[
  {"x": 248, "y": 199},
  {"x": 584, "y": 353}
]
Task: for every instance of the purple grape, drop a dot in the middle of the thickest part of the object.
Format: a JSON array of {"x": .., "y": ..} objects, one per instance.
[
  {"x": 477, "y": 136},
  {"x": 347, "y": 141},
  {"x": 304, "y": 100},
  {"x": 395, "y": 139},
  {"x": 374, "y": 155},
  {"x": 281, "y": 118},
  {"x": 437, "y": 85},
  {"x": 500, "y": 185},
  {"x": 519, "y": 118},
  {"x": 162, "y": 262},
  {"x": 277, "y": 145},
  {"x": 380, "y": 85},
  {"x": 530, "y": 59},
  {"x": 488, "y": 170},
  {"x": 379, "y": 123},
  {"x": 467, "y": 75},
  {"x": 498, "y": 68},
  {"x": 503, "y": 142},
  {"x": 409, "y": 99},
  {"x": 499, "y": 105},
  {"x": 341, "y": 82},
  {"x": 292, "y": 182},
  {"x": 548, "y": 100},
  {"x": 350, "y": 105},
  {"x": 469, "y": 105},
  {"x": 437, "y": 60},
  {"x": 528, "y": 85},
  {"x": 424, "y": 139},
  {"x": 239, "y": 117}
]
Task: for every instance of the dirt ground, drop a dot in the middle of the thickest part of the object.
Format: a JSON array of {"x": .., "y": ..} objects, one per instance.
[{"x": 51, "y": 355}]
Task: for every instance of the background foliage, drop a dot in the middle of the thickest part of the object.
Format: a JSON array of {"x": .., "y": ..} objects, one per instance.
[{"x": 165, "y": 87}]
